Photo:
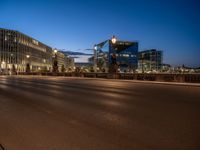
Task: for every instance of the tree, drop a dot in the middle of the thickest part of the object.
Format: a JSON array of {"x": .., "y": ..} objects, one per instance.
[
  {"x": 13, "y": 69},
  {"x": 28, "y": 69},
  {"x": 113, "y": 66},
  {"x": 55, "y": 64},
  {"x": 63, "y": 69},
  {"x": 100, "y": 63},
  {"x": 113, "y": 59}
]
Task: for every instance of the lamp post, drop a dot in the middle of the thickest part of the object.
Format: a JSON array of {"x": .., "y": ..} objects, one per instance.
[
  {"x": 95, "y": 57},
  {"x": 113, "y": 67},
  {"x": 114, "y": 39},
  {"x": 28, "y": 64},
  {"x": 55, "y": 51},
  {"x": 142, "y": 62},
  {"x": 55, "y": 61}
]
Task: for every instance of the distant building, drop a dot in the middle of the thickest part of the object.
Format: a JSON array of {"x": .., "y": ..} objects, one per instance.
[
  {"x": 60, "y": 58},
  {"x": 63, "y": 60},
  {"x": 123, "y": 53},
  {"x": 186, "y": 69},
  {"x": 81, "y": 59},
  {"x": 150, "y": 60},
  {"x": 20, "y": 52},
  {"x": 166, "y": 67},
  {"x": 69, "y": 61}
]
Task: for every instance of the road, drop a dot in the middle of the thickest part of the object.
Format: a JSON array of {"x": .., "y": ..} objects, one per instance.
[{"x": 56, "y": 113}]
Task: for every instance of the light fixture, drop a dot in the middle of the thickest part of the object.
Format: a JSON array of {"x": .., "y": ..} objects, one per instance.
[
  {"x": 27, "y": 56},
  {"x": 95, "y": 47},
  {"x": 114, "y": 39},
  {"x": 55, "y": 51}
]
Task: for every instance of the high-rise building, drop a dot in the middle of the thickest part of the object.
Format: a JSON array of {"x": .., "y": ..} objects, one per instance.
[
  {"x": 150, "y": 60},
  {"x": 123, "y": 54},
  {"x": 21, "y": 52}
]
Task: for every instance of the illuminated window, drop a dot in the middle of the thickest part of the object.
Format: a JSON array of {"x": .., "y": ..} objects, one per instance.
[{"x": 125, "y": 55}]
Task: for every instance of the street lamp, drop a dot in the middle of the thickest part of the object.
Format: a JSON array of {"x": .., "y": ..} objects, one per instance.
[
  {"x": 142, "y": 62},
  {"x": 55, "y": 61},
  {"x": 113, "y": 67},
  {"x": 55, "y": 51},
  {"x": 28, "y": 64},
  {"x": 114, "y": 39},
  {"x": 95, "y": 57},
  {"x": 95, "y": 47}
]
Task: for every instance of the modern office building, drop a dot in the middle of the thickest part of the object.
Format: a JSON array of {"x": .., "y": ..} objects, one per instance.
[
  {"x": 150, "y": 60},
  {"x": 21, "y": 53},
  {"x": 121, "y": 53}
]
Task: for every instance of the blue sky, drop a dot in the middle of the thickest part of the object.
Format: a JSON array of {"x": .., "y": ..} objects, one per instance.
[{"x": 169, "y": 25}]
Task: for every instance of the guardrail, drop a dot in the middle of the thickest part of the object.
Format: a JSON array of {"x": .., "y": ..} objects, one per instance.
[{"x": 190, "y": 78}]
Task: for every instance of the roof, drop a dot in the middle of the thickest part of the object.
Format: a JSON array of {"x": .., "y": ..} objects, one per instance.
[{"x": 24, "y": 35}]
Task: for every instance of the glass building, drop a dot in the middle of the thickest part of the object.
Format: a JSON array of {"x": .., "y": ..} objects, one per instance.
[
  {"x": 125, "y": 54},
  {"x": 19, "y": 52},
  {"x": 150, "y": 60}
]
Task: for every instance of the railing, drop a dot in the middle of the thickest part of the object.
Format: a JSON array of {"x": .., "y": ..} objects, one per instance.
[{"x": 192, "y": 78}]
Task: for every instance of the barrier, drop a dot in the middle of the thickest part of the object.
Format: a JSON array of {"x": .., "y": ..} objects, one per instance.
[{"x": 190, "y": 78}]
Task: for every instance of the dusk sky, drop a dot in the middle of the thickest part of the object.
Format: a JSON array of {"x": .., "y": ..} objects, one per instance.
[{"x": 169, "y": 25}]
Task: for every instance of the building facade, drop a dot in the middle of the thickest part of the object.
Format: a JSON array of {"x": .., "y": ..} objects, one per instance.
[
  {"x": 150, "y": 60},
  {"x": 21, "y": 53},
  {"x": 64, "y": 60},
  {"x": 59, "y": 57},
  {"x": 69, "y": 63},
  {"x": 124, "y": 53}
]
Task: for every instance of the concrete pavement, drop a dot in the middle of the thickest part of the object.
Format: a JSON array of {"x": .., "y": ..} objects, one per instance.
[{"x": 81, "y": 114}]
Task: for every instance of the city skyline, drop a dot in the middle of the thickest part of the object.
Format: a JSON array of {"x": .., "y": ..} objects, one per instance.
[{"x": 74, "y": 25}]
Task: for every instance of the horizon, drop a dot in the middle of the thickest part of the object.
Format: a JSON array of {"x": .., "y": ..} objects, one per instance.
[{"x": 78, "y": 25}]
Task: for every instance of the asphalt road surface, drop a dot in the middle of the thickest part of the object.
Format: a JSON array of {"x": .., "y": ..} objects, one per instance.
[{"x": 55, "y": 113}]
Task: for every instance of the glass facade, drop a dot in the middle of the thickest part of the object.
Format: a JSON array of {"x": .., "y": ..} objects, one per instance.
[
  {"x": 125, "y": 52},
  {"x": 20, "y": 51},
  {"x": 150, "y": 60}
]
